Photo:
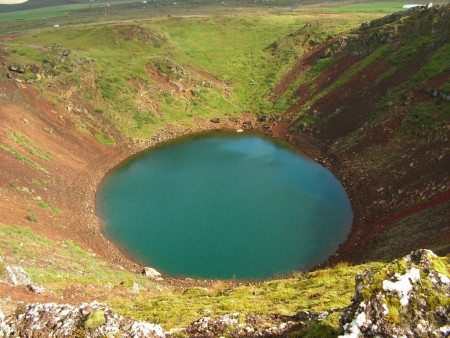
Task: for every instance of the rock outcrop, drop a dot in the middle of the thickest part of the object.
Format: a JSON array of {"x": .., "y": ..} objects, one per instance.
[
  {"x": 239, "y": 325},
  {"x": 63, "y": 320},
  {"x": 407, "y": 298}
]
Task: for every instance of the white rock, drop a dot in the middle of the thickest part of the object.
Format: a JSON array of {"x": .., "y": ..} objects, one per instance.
[
  {"x": 444, "y": 279},
  {"x": 353, "y": 327},
  {"x": 150, "y": 272},
  {"x": 135, "y": 288},
  {"x": 17, "y": 275},
  {"x": 403, "y": 285}
]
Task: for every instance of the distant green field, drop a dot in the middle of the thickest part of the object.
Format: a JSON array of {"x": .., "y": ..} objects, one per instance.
[
  {"x": 370, "y": 7},
  {"x": 40, "y": 13}
]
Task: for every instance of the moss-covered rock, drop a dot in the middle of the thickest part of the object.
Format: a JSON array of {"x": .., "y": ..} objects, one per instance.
[
  {"x": 408, "y": 297},
  {"x": 94, "y": 320}
]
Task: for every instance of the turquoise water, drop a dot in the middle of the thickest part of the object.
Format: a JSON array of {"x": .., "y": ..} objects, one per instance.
[{"x": 225, "y": 206}]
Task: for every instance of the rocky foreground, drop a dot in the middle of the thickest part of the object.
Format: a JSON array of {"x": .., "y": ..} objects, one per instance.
[{"x": 406, "y": 298}]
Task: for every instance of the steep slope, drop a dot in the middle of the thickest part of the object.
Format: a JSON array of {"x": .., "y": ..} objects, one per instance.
[{"x": 376, "y": 102}]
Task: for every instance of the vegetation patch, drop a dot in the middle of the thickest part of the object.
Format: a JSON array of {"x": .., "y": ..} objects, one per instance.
[
  {"x": 44, "y": 205},
  {"x": 106, "y": 140},
  {"x": 94, "y": 320},
  {"x": 22, "y": 158},
  {"x": 436, "y": 65},
  {"x": 31, "y": 216},
  {"x": 369, "y": 7},
  {"x": 346, "y": 76},
  {"x": 61, "y": 265},
  {"x": 408, "y": 51},
  {"x": 24, "y": 141},
  {"x": 428, "y": 120},
  {"x": 315, "y": 291}
]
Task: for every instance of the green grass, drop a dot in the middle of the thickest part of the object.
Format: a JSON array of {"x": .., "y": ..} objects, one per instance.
[
  {"x": 428, "y": 120},
  {"x": 24, "y": 141},
  {"x": 31, "y": 216},
  {"x": 41, "y": 13},
  {"x": 386, "y": 7},
  {"x": 246, "y": 54},
  {"x": 44, "y": 205},
  {"x": 106, "y": 140},
  {"x": 58, "y": 265},
  {"x": 315, "y": 291},
  {"x": 22, "y": 158},
  {"x": 61, "y": 265},
  {"x": 436, "y": 65}
]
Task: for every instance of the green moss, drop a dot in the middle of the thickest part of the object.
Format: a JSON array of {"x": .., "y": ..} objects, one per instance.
[
  {"x": 315, "y": 291},
  {"x": 328, "y": 328},
  {"x": 438, "y": 300},
  {"x": 436, "y": 65},
  {"x": 127, "y": 283},
  {"x": 442, "y": 265},
  {"x": 195, "y": 291},
  {"x": 94, "y": 320},
  {"x": 408, "y": 51},
  {"x": 393, "y": 315},
  {"x": 19, "y": 188}
]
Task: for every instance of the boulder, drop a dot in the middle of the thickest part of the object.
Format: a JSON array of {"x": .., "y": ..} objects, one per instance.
[
  {"x": 150, "y": 272},
  {"x": 406, "y": 298}
]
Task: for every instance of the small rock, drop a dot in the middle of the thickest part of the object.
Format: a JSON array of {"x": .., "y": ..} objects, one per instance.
[
  {"x": 215, "y": 120},
  {"x": 135, "y": 288},
  {"x": 36, "y": 288},
  {"x": 150, "y": 272}
]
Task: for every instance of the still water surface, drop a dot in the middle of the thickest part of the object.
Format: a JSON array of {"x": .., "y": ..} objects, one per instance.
[{"x": 225, "y": 206}]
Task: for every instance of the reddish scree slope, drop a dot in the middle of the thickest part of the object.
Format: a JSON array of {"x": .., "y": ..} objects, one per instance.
[{"x": 398, "y": 184}]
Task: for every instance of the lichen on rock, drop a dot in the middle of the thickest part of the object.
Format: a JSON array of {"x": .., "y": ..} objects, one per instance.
[
  {"x": 408, "y": 297},
  {"x": 64, "y": 320}
]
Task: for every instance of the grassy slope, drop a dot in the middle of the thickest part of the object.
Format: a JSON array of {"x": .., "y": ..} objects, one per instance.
[
  {"x": 71, "y": 268},
  {"x": 234, "y": 49}
]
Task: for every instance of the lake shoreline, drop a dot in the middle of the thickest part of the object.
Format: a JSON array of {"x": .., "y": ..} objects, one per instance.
[
  {"x": 276, "y": 131},
  {"x": 281, "y": 207}
]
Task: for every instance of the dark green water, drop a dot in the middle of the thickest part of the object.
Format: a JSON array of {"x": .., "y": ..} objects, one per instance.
[{"x": 225, "y": 206}]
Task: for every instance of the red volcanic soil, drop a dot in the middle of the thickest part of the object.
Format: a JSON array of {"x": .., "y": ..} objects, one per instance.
[
  {"x": 416, "y": 179},
  {"x": 78, "y": 162}
]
